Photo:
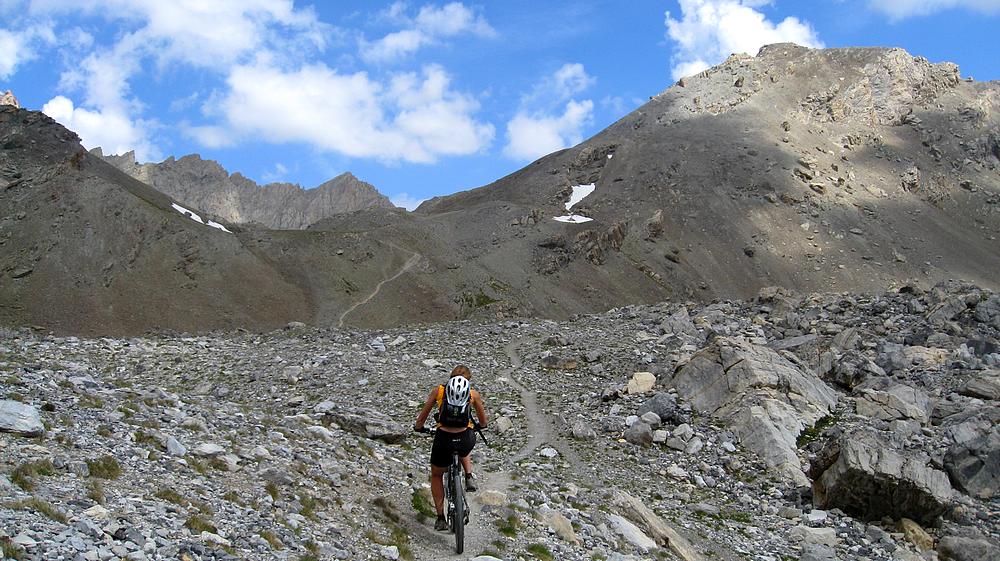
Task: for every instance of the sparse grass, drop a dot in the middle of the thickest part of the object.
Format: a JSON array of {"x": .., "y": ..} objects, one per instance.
[
  {"x": 104, "y": 430},
  {"x": 105, "y": 467},
  {"x": 540, "y": 551},
  {"x": 233, "y": 497},
  {"x": 196, "y": 523},
  {"x": 309, "y": 504},
  {"x": 422, "y": 504},
  {"x": 39, "y": 506},
  {"x": 15, "y": 396},
  {"x": 25, "y": 474},
  {"x": 509, "y": 526},
  {"x": 95, "y": 491},
  {"x": 272, "y": 539},
  {"x": 272, "y": 489},
  {"x": 171, "y": 496},
  {"x": 198, "y": 466},
  {"x": 88, "y": 401},
  {"x": 10, "y": 551},
  {"x": 398, "y": 536}
]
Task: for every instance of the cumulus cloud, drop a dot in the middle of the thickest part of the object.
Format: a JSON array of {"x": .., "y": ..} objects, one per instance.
[
  {"x": 212, "y": 35},
  {"x": 414, "y": 117},
  {"x": 111, "y": 130},
  {"x": 18, "y": 47},
  {"x": 430, "y": 26},
  {"x": 708, "y": 31},
  {"x": 405, "y": 200},
  {"x": 902, "y": 9},
  {"x": 549, "y": 119},
  {"x": 532, "y": 136}
]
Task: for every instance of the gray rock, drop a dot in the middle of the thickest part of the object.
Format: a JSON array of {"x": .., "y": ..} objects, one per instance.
[
  {"x": 20, "y": 419},
  {"x": 650, "y": 418},
  {"x": 983, "y": 387},
  {"x": 766, "y": 399},
  {"x": 208, "y": 449},
  {"x": 639, "y": 434},
  {"x": 960, "y": 548},
  {"x": 865, "y": 475},
  {"x": 974, "y": 465},
  {"x": 666, "y": 408},
  {"x": 852, "y": 369},
  {"x": 899, "y": 401},
  {"x": 582, "y": 430},
  {"x": 369, "y": 424},
  {"x": 988, "y": 311},
  {"x": 175, "y": 448}
]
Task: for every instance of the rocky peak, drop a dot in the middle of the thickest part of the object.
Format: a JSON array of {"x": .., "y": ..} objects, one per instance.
[
  {"x": 206, "y": 185},
  {"x": 8, "y": 99}
]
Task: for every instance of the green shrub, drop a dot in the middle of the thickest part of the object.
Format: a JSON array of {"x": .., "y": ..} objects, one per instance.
[
  {"x": 198, "y": 524},
  {"x": 540, "y": 551},
  {"x": 272, "y": 539}
]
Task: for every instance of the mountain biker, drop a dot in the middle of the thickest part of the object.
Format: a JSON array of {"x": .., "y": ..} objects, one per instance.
[{"x": 455, "y": 401}]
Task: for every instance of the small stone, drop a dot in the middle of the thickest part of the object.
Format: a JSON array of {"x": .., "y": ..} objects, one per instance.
[
  {"x": 651, "y": 419},
  {"x": 175, "y": 448},
  {"x": 504, "y": 425},
  {"x": 390, "y": 552},
  {"x": 548, "y": 452},
  {"x": 208, "y": 449},
  {"x": 641, "y": 382}
]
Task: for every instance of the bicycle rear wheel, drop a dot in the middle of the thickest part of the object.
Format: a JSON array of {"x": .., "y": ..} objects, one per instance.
[{"x": 458, "y": 522}]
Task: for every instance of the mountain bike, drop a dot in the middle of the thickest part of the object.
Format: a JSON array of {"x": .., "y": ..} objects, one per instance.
[{"x": 456, "y": 507}]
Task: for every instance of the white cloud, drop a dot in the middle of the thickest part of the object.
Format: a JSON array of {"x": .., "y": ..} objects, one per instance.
[
  {"x": 209, "y": 136},
  {"x": 532, "y": 136},
  {"x": 112, "y": 130},
  {"x": 901, "y": 9},
  {"x": 18, "y": 47},
  {"x": 405, "y": 200},
  {"x": 414, "y": 118},
  {"x": 548, "y": 119},
  {"x": 430, "y": 26},
  {"x": 708, "y": 31}
]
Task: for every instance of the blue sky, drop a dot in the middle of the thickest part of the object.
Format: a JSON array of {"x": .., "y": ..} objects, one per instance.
[{"x": 418, "y": 98}]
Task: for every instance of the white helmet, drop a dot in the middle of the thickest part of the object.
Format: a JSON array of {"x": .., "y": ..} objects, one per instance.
[{"x": 457, "y": 391}]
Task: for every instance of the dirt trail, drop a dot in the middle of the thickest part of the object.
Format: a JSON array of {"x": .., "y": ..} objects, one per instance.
[
  {"x": 413, "y": 260},
  {"x": 541, "y": 432}
]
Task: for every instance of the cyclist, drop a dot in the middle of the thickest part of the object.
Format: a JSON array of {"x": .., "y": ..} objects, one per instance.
[{"x": 455, "y": 401}]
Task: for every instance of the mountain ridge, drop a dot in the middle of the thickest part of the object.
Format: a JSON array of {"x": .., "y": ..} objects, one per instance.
[{"x": 235, "y": 198}]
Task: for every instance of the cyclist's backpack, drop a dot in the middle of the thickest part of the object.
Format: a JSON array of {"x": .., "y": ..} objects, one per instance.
[{"x": 452, "y": 415}]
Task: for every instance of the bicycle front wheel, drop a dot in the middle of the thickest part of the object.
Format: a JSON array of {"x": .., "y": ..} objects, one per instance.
[{"x": 458, "y": 522}]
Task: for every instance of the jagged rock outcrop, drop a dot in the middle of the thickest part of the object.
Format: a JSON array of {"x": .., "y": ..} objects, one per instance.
[
  {"x": 8, "y": 99},
  {"x": 767, "y": 399},
  {"x": 206, "y": 185}
]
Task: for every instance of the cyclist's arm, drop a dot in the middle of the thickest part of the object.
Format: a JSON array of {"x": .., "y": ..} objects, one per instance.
[
  {"x": 428, "y": 405},
  {"x": 477, "y": 402}
]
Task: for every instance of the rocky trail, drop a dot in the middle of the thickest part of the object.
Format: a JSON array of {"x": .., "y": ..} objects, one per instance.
[{"x": 791, "y": 426}]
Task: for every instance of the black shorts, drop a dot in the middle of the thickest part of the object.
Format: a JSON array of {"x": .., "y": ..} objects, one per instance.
[{"x": 447, "y": 442}]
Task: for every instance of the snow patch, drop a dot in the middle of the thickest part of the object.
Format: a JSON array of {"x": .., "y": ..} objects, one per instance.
[
  {"x": 580, "y": 192},
  {"x": 573, "y": 218},
  {"x": 194, "y": 216},
  {"x": 611, "y": 156}
]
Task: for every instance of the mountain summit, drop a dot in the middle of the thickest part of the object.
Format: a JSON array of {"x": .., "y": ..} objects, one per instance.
[{"x": 855, "y": 169}]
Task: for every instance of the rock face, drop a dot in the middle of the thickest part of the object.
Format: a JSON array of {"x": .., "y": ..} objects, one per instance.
[
  {"x": 206, "y": 186},
  {"x": 369, "y": 424},
  {"x": 974, "y": 465},
  {"x": 20, "y": 419},
  {"x": 865, "y": 474},
  {"x": 766, "y": 399},
  {"x": 8, "y": 99}
]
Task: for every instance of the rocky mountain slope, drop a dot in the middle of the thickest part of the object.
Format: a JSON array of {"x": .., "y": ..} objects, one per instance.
[
  {"x": 851, "y": 169},
  {"x": 207, "y": 186},
  {"x": 790, "y": 426}
]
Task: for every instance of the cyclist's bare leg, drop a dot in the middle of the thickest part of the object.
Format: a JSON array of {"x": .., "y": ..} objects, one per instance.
[
  {"x": 437, "y": 488},
  {"x": 467, "y": 464}
]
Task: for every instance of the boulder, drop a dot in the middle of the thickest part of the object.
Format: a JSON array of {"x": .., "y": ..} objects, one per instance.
[
  {"x": 639, "y": 434},
  {"x": 974, "y": 465},
  {"x": 582, "y": 431},
  {"x": 867, "y": 476},
  {"x": 897, "y": 401},
  {"x": 960, "y": 548},
  {"x": 679, "y": 323},
  {"x": 988, "y": 311},
  {"x": 20, "y": 419},
  {"x": 666, "y": 408},
  {"x": 631, "y": 533},
  {"x": 851, "y": 369},
  {"x": 764, "y": 397},
  {"x": 983, "y": 387},
  {"x": 641, "y": 382},
  {"x": 368, "y": 423},
  {"x": 916, "y": 534},
  {"x": 657, "y": 528}
]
